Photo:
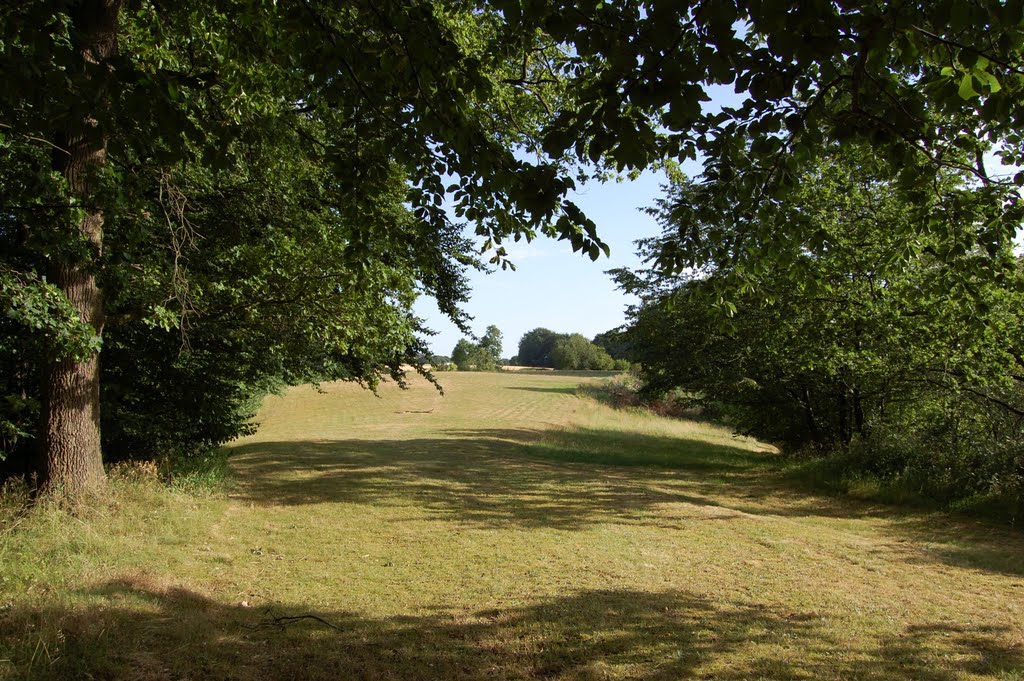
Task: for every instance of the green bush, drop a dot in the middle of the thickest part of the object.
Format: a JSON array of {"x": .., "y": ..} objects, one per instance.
[
  {"x": 954, "y": 451},
  {"x": 574, "y": 352}
]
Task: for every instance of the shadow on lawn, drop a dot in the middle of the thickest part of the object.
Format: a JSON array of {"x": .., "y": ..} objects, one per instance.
[
  {"x": 572, "y": 390},
  {"x": 527, "y": 478},
  {"x": 562, "y": 479},
  {"x": 140, "y": 631},
  {"x": 493, "y": 478}
]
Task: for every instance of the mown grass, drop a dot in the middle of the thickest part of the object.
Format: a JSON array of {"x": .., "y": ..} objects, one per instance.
[
  {"x": 848, "y": 473},
  {"x": 509, "y": 530}
]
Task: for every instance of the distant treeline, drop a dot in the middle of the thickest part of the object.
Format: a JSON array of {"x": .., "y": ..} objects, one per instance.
[
  {"x": 545, "y": 348},
  {"x": 540, "y": 347}
]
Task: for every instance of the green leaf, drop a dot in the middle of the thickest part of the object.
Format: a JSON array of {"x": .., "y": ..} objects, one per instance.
[{"x": 967, "y": 90}]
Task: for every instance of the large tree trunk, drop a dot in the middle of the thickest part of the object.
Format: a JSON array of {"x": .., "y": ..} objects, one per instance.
[{"x": 70, "y": 455}]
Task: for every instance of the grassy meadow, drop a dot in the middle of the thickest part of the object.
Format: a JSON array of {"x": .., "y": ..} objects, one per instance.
[{"x": 511, "y": 529}]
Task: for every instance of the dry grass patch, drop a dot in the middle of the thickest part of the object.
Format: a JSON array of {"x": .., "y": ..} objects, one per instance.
[{"x": 509, "y": 530}]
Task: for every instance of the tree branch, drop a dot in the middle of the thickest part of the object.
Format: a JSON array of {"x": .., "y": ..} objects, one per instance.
[{"x": 972, "y": 50}]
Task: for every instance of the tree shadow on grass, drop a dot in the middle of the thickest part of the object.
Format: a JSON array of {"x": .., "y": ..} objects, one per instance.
[
  {"x": 500, "y": 477},
  {"x": 751, "y": 482},
  {"x": 534, "y": 389},
  {"x": 743, "y": 482},
  {"x": 570, "y": 480},
  {"x": 480, "y": 481},
  {"x": 628, "y": 449},
  {"x": 965, "y": 543},
  {"x": 134, "y": 629}
]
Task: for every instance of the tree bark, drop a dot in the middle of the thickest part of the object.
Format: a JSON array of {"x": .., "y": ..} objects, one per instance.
[
  {"x": 858, "y": 412},
  {"x": 71, "y": 458},
  {"x": 842, "y": 410},
  {"x": 809, "y": 418}
]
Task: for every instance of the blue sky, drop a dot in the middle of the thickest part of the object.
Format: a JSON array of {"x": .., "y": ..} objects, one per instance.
[
  {"x": 564, "y": 291},
  {"x": 553, "y": 287}
]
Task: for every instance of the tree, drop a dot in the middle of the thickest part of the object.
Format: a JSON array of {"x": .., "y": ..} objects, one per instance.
[
  {"x": 876, "y": 332},
  {"x": 484, "y": 355},
  {"x": 613, "y": 342},
  {"x": 464, "y": 354},
  {"x": 575, "y": 352},
  {"x": 569, "y": 352},
  {"x": 490, "y": 345},
  {"x": 70, "y": 405},
  {"x": 273, "y": 299},
  {"x": 178, "y": 120},
  {"x": 535, "y": 347}
]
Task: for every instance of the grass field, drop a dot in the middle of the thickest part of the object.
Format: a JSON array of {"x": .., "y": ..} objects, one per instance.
[{"x": 509, "y": 530}]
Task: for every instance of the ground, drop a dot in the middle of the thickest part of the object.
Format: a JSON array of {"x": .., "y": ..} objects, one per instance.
[{"x": 513, "y": 528}]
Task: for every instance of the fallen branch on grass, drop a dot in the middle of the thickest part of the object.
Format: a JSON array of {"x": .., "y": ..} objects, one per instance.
[{"x": 272, "y": 620}]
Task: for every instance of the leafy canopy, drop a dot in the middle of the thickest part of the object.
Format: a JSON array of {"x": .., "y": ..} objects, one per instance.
[
  {"x": 313, "y": 147},
  {"x": 874, "y": 333}
]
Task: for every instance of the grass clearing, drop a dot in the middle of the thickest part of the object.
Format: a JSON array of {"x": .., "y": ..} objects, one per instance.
[{"x": 511, "y": 529}]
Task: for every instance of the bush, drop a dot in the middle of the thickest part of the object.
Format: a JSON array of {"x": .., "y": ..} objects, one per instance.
[
  {"x": 574, "y": 352},
  {"x": 951, "y": 450},
  {"x": 625, "y": 392}
]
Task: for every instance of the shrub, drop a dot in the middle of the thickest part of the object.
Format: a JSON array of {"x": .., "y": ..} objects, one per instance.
[{"x": 574, "y": 352}]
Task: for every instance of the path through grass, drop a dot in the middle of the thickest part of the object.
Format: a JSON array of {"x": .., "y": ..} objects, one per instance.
[{"x": 508, "y": 530}]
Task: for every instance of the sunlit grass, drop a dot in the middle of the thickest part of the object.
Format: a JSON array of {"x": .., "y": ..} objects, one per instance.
[{"x": 511, "y": 529}]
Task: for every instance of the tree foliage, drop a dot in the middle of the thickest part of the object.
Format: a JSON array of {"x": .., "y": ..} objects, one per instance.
[
  {"x": 261, "y": 132},
  {"x": 484, "y": 355},
  {"x": 930, "y": 86},
  {"x": 542, "y": 347},
  {"x": 875, "y": 349},
  {"x": 614, "y": 342},
  {"x": 270, "y": 177},
  {"x": 490, "y": 345},
  {"x": 462, "y": 354},
  {"x": 535, "y": 347},
  {"x": 575, "y": 352}
]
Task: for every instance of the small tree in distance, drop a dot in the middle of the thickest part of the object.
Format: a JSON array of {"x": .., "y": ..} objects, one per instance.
[
  {"x": 462, "y": 355},
  {"x": 482, "y": 356},
  {"x": 490, "y": 349}
]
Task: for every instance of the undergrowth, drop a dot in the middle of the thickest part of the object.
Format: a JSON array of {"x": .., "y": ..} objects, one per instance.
[
  {"x": 138, "y": 494},
  {"x": 845, "y": 472},
  {"x": 623, "y": 392},
  {"x": 893, "y": 468},
  {"x": 205, "y": 473}
]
